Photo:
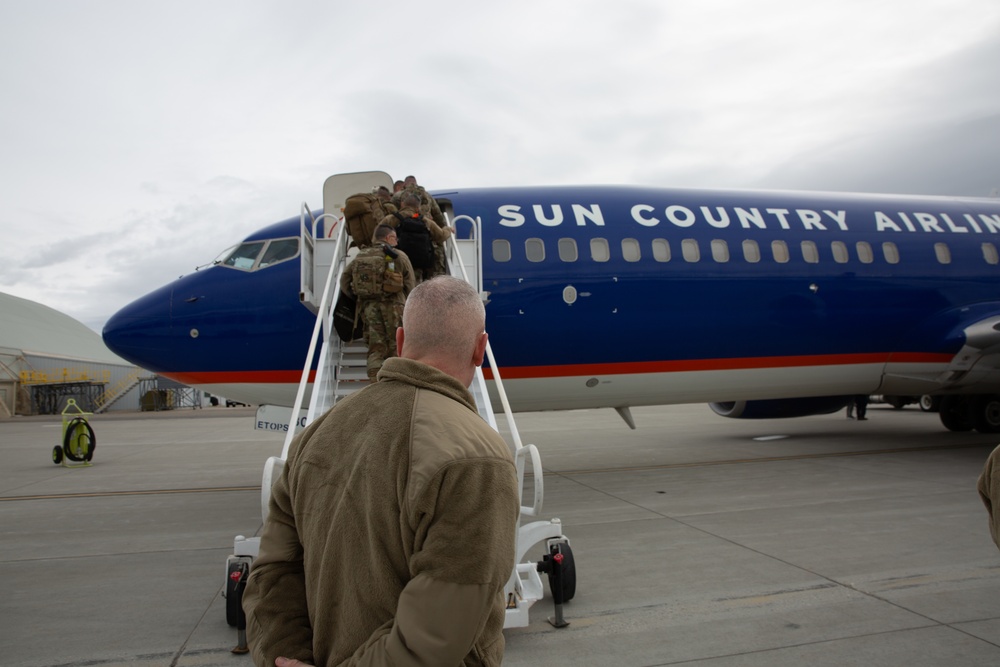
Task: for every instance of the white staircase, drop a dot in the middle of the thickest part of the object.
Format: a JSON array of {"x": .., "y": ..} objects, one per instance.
[{"x": 341, "y": 370}]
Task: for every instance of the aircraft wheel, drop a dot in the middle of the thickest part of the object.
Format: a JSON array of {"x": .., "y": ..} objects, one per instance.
[
  {"x": 987, "y": 414},
  {"x": 57, "y": 454},
  {"x": 957, "y": 413},
  {"x": 568, "y": 570},
  {"x": 897, "y": 402},
  {"x": 930, "y": 403}
]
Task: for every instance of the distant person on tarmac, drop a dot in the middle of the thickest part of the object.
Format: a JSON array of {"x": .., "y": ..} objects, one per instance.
[{"x": 858, "y": 404}]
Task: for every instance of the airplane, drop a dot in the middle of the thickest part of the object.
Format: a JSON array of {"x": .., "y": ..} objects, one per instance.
[{"x": 764, "y": 304}]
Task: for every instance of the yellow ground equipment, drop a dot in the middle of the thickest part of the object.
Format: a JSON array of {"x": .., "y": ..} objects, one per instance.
[{"x": 78, "y": 441}]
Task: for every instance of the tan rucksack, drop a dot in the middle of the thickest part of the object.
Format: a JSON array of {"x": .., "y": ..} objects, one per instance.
[{"x": 362, "y": 214}]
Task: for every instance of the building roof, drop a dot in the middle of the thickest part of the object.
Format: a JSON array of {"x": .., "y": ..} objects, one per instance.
[{"x": 39, "y": 330}]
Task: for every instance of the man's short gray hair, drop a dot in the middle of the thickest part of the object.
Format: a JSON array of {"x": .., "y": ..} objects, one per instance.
[{"x": 443, "y": 314}]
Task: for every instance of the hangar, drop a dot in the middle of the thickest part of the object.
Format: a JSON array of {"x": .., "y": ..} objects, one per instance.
[{"x": 47, "y": 357}]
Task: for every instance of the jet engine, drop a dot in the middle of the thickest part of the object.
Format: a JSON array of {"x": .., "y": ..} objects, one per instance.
[{"x": 781, "y": 407}]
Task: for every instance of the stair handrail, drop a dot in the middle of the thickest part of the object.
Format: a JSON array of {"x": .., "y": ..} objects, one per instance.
[
  {"x": 321, "y": 317},
  {"x": 522, "y": 453},
  {"x": 453, "y": 248},
  {"x": 119, "y": 389}
]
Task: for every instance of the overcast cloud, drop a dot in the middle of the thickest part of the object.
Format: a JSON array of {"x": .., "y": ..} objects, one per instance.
[{"x": 140, "y": 139}]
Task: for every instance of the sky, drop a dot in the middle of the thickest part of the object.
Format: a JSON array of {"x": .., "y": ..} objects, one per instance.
[{"x": 139, "y": 139}]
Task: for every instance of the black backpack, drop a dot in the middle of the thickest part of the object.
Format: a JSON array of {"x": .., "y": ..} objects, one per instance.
[{"x": 414, "y": 239}]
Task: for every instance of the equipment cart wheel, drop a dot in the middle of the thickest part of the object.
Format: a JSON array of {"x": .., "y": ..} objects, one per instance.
[{"x": 57, "y": 455}]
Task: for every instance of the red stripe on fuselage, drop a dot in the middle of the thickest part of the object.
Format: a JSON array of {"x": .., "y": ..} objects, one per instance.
[
  {"x": 627, "y": 368},
  {"x": 694, "y": 365},
  {"x": 238, "y": 377}
]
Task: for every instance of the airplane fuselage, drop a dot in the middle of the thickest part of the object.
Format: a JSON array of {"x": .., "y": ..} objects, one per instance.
[{"x": 626, "y": 296}]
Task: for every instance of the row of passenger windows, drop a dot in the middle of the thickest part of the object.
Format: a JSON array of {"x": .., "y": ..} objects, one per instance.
[{"x": 691, "y": 251}]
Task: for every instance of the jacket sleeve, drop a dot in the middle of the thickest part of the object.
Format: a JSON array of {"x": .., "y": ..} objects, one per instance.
[
  {"x": 275, "y": 597},
  {"x": 409, "y": 282},
  {"x": 345, "y": 281},
  {"x": 439, "y": 234},
  {"x": 465, "y": 554},
  {"x": 989, "y": 492}
]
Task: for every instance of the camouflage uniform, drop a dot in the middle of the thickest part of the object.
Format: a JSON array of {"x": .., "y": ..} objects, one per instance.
[
  {"x": 429, "y": 207},
  {"x": 382, "y": 315}
]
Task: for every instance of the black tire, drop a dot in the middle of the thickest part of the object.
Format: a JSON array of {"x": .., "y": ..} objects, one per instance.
[
  {"x": 57, "y": 454},
  {"x": 79, "y": 442},
  {"x": 957, "y": 413},
  {"x": 930, "y": 403},
  {"x": 897, "y": 402},
  {"x": 233, "y": 601},
  {"x": 568, "y": 570},
  {"x": 987, "y": 413}
]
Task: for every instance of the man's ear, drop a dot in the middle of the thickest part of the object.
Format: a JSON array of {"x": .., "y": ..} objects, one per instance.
[
  {"x": 480, "y": 351},
  {"x": 399, "y": 341}
]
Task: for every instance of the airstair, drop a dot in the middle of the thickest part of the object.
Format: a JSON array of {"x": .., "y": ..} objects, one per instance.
[{"x": 340, "y": 370}]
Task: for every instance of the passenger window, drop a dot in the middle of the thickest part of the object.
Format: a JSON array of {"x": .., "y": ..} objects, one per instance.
[
  {"x": 534, "y": 250},
  {"x": 690, "y": 250},
  {"x": 990, "y": 253},
  {"x": 567, "y": 250},
  {"x": 630, "y": 250},
  {"x": 661, "y": 250},
  {"x": 865, "y": 253},
  {"x": 943, "y": 253},
  {"x": 599, "y": 250},
  {"x": 245, "y": 255},
  {"x": 780, "y": 251},
  {"x": 839, "y": 249},
  {"x": 279, "y": 250},
  {"x": 751, "y": 251},
  {"x": 501, "y": 250},
  {"x": 720, "y": 251},
  {"x": 891, "y": 252},
  {"x": 809, "y": 252}
]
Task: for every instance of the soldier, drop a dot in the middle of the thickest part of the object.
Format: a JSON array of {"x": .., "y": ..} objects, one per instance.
[
  {"x": 380, "y": 277},
  {"x": 417, "y": 235},
  {"x": 383, "y": 193},
  {"x": 429, "y": 207}
]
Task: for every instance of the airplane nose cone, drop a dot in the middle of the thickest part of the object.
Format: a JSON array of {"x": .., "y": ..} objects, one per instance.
[{"x": 139, "y": 331}]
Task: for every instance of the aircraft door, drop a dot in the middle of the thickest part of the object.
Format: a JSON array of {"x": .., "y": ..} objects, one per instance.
[{"x": 337, "y": 188}]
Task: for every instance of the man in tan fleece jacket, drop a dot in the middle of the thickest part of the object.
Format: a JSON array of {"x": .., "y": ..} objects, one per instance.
[
  {"x": 988, "y": 486},
  {"x": 391, "y": 530}
]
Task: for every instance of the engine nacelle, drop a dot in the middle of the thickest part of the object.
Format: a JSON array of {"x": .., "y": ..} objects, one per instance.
[{"x": 781, "y": 407}]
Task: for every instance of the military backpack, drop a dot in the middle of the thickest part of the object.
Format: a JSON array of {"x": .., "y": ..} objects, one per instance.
[
  {"x": 362, "y": 214},
  {"x": 415, "y": 240}
]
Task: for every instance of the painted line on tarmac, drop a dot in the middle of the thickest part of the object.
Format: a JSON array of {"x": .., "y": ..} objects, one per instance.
[
  {"x": 111, "y": 494},
  {"x": 763, "y": 459}
]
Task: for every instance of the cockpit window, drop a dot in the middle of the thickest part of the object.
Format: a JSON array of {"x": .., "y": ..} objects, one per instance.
[
  {"x": 244, "y": 256},
  {"x": 254, "y": 255},
  {"x": 279, "y": 250}
]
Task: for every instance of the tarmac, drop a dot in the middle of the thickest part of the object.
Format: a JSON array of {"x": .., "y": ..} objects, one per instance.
[{"x": 697, "y": 539}]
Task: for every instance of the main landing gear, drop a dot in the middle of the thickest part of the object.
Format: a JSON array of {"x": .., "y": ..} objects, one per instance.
[{"x": 965, "y": 413}]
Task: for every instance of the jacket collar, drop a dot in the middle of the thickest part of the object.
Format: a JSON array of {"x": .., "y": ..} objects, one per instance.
[{"x": 426, "y": 377}]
